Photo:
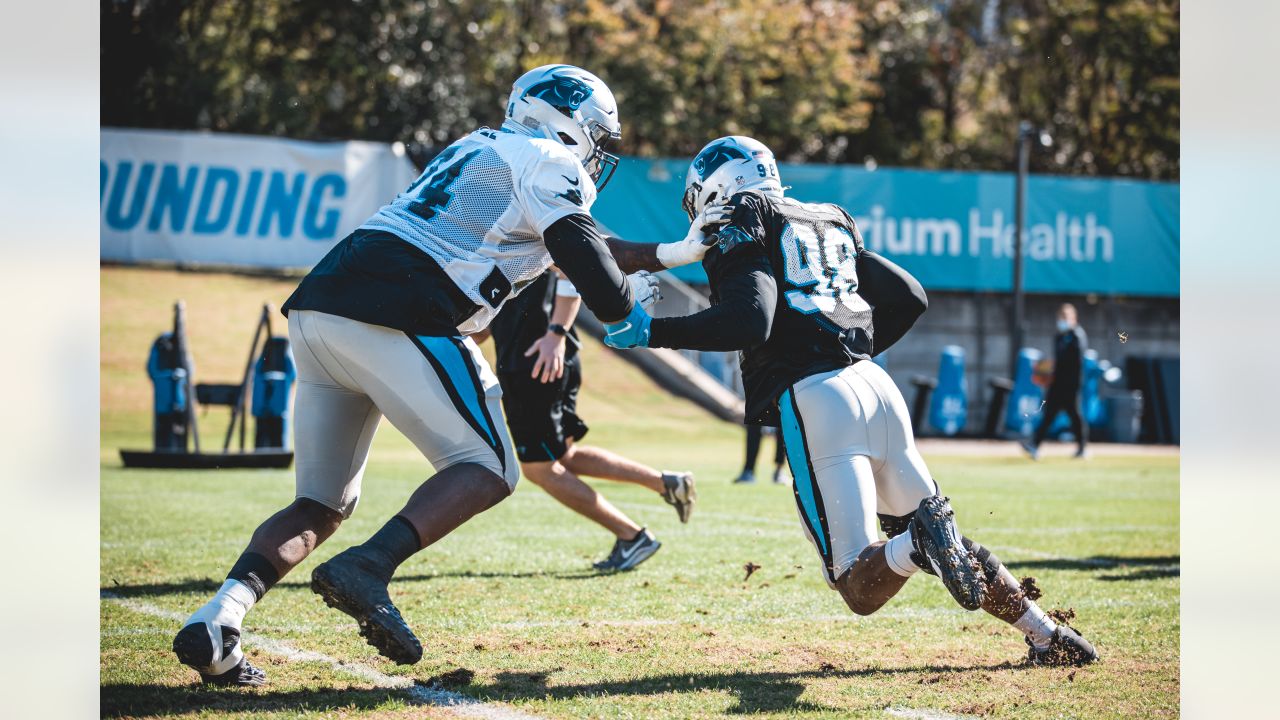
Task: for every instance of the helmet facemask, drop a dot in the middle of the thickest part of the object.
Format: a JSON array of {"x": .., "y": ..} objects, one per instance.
[
  {"x": 692, "y": 204},
  {"x": 600, "y": 165}
]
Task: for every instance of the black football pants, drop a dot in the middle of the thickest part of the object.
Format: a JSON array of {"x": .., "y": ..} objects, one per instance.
[{"x": 1068, "y": 402}]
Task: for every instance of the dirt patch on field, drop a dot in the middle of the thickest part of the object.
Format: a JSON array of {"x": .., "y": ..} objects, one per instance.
[{"x": 456, "y": 678}]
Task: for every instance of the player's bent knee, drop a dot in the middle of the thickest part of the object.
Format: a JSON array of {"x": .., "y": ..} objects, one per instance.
[
  {"x": 323, "y": 513},
  {"x": 510, "y": 476},
  {"x": 851, "y": 591},
  {"x": 318, "y": 513},
  {"x": 863, "y": 607}
]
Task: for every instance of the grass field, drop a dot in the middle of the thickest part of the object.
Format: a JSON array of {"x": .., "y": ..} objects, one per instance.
[{"x": 511, "y": 616}]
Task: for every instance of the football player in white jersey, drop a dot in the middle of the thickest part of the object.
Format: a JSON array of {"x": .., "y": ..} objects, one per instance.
[
  {"x": 379, "y": 328},
  {"x": 808, "y": 305}
]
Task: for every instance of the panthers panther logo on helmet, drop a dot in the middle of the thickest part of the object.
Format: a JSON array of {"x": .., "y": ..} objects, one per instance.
[
  {"x": 712, "y": 157},
  {"x": 561, "y": 92}
]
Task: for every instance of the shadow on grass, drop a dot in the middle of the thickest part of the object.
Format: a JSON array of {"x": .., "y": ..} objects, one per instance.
[
  {"x": 209, "y": 585},
  {"x": 1132, "y": 568},
  {"x": 755, "y": 692},
  {"x": 129, "y": 700}
]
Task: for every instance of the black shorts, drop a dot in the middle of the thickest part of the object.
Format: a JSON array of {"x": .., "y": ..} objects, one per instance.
[{"x": 543, "y": 416}]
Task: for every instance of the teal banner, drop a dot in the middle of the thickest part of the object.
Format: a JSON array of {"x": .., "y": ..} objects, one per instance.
[{"x": 953, "y": 230}]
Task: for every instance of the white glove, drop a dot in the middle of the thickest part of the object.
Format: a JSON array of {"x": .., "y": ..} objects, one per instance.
[
  {"x": 696, "y": 242},
  {"x": 644, "y": 288}
]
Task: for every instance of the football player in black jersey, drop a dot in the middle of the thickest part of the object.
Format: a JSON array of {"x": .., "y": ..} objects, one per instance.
[{"x": 794, "y": 289}]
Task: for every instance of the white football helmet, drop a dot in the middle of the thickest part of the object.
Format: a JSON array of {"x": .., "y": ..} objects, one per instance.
[
  {"x": 727, "y": 166},
  {"x": 573, "y": 107}
]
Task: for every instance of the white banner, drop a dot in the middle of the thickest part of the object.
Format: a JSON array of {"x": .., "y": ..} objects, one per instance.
[{"x": 192, "y": 197}]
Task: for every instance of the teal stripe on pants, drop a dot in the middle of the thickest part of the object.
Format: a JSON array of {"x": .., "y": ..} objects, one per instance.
[{"x": 805, "y": 483}]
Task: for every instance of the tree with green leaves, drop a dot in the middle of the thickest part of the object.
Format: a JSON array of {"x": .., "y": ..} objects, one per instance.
[{"x": 902, "y": 82}]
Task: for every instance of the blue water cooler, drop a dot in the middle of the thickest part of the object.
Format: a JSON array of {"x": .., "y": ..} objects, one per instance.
[
  {"x": 949, "y": 406},
  {"x": 169, "y": 383},
  {"x": 1023, "y": 410},
  {"x": 273, "y": 378}
]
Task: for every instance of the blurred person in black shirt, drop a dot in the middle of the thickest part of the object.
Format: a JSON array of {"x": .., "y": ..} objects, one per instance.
[
  {"x": 540, "y": 373},
  {"x": 1068, "y": 376}
]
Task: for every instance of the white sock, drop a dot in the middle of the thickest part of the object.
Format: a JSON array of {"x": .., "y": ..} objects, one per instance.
[
  {"x": 228, "y": 606},
  {"x": 1037, "y": 626},
  {"x": 897, "y": 552}
]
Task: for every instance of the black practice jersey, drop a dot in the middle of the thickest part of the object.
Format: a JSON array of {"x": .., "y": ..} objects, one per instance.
[
  {"x": 1068, "y": 361},
  {"x": 819, "y": 320},
  {"x": 524, "y": 320}
]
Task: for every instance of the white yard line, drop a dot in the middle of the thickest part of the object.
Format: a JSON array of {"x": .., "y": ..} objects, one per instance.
[{"x": 457, "y": 703}]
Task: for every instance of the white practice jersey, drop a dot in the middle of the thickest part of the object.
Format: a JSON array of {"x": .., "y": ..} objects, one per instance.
[{"x": 481, "y": 208}]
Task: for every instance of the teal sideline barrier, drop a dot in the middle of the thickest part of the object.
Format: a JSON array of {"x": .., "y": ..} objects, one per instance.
[{"x": 954, "y": 230}]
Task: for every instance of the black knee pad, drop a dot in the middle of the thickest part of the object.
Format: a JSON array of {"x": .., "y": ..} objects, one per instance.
[
  {"x": 894, "y": 525},
  {"x": 990, "y": 563}
]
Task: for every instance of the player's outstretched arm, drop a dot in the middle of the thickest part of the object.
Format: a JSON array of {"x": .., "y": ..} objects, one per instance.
[
  {"x": 579, "y": 250},
  {"x": 897, "y": 299},
  {"x": 742, "y": 319},
  {"x": 655, "y": 257}
]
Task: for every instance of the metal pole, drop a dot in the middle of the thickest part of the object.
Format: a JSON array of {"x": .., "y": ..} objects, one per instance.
[
  {"x": 184, "y": 357},
  {"x": 241, "y": 408},
  {"x": 1020, "y": 222}
]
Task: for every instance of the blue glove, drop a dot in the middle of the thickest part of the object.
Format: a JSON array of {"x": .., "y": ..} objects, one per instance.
[{"x": 630, "y": 332}]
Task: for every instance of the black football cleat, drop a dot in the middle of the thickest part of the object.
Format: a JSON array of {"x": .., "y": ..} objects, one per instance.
[
  {"x": 933, "y": 528},
  {"x": 195, "y": 648},
  {"x": 353, "y": 584},
  {"x": 1066, "y": 648},
  {"x": 243, "y": 675},
  {"x": 627, "y": 554}
]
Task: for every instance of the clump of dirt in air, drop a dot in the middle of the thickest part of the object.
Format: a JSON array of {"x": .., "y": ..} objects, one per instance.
[
  {"x": 1030, "y": 589},
  {"x": 1062, "y": 617}
]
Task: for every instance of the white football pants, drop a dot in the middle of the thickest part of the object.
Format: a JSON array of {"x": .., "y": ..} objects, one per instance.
[
  {"x": 852, "y": 454},
  {"x": 438, "y": 391}
]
